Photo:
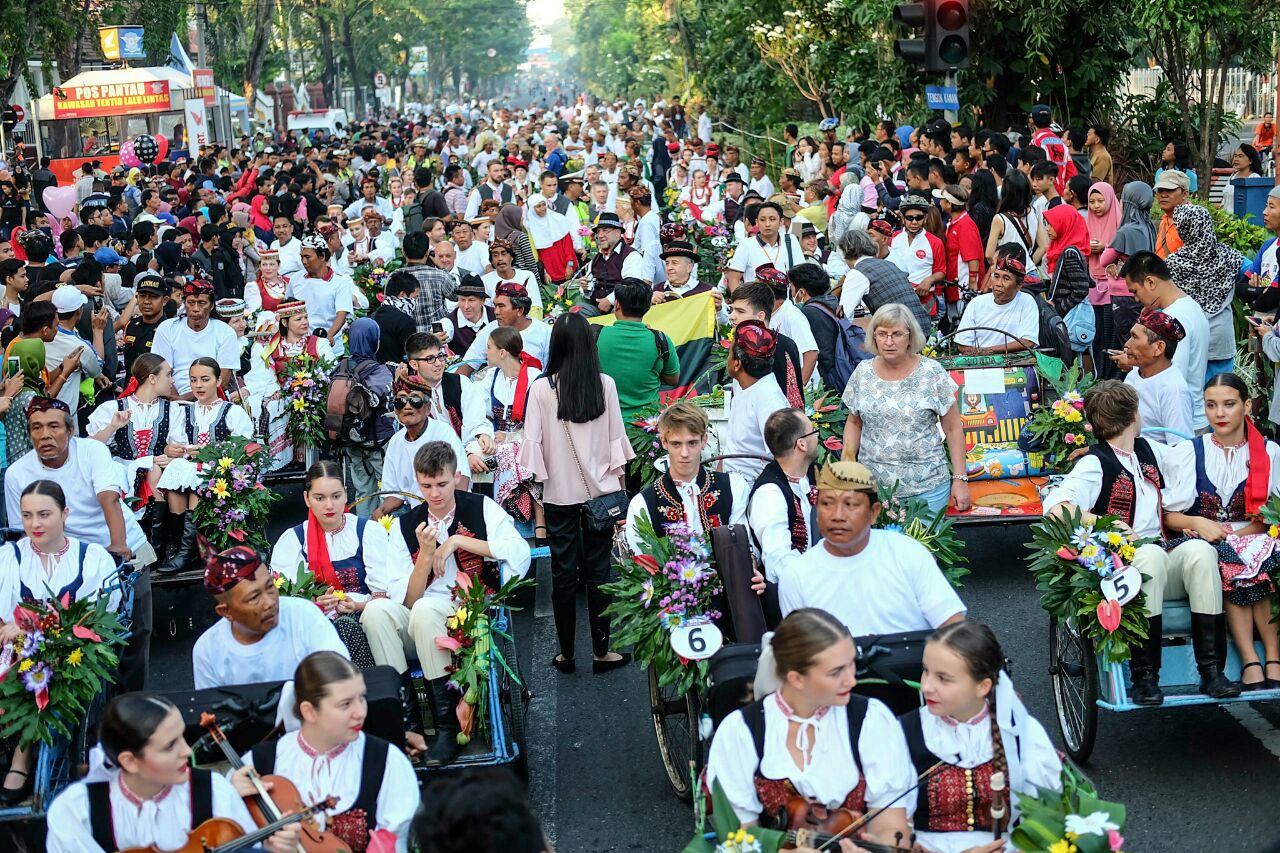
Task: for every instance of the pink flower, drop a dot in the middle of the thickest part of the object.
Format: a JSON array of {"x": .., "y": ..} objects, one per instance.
[
  {"x": 1079, "y": 404},
  {"x": 1115, "y": 840},
  {"x": 42, "y": 698},
  {"x": 85, "y": 633},
  {"x": 447, "y": 644},
  {"x": 834, "y": 443},
  {"x": 463, "y": 581},
  {"x": 1066, "y": 553},
  {"x": 1069, "y": 438}
]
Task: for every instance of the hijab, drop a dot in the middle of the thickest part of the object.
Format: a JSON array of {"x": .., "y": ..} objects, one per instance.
[
  {"x": 849, "y": 212},
  {"x": 1102, "y": 228},
  {"x": 30, "y": 355},
  {"x": 1136, "y": 233},
  {"x": 1203, "y": 268},
  {"x": 363, "y": 337},
  {"x": 168, "y": 253},
  {"x": 1068, "y": 225},
  {"x": 256, "y": 217},
  {"x": 549, "y": 228},
  {"x": 510, "y": 220}
]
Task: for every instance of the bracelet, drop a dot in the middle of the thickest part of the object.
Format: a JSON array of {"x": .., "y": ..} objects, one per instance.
[{"x": 961, "y": 477}]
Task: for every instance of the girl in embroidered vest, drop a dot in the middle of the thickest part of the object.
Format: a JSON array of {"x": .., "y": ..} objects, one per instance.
[
  {"x": 268, "y": 291},
  {"x": 146, "y": 792},
  {"x": 340, "y": 549},
  {"x": 811, "y": 735},
  {"x": 46, "y": 564},
  {"x": 330, "y": 756},
  {"x": 208, "y": 418},
  {"x": 1236, "y": 471},
  {"x": 136, "y": 425},
  {"x": 293, "y": 339},
  {"x": 514, "y": 486},
  {"x": 975, "y": 724}
]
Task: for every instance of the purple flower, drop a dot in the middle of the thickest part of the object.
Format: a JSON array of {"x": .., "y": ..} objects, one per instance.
[{"x": 37, "y": 678}]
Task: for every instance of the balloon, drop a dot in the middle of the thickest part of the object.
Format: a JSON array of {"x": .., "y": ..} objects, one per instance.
[
  {"x": 162, "y": 142},
  {"x": 146, "y": 148},
  {"x": 129, "y": 157},
  {"x": 59, "y": 200}
]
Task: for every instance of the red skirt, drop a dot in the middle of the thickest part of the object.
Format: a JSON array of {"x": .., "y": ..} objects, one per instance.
[{"x": 556, "y": 257}]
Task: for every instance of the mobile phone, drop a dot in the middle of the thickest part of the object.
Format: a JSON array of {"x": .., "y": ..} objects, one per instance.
[
  {"x": 437, "y": 328},
  {"x": 97, "y": 304},
  {"x": 1115, "y": 352},
  {"x": 1257, "y": 321},
  {"x": 12, "y": 366}
]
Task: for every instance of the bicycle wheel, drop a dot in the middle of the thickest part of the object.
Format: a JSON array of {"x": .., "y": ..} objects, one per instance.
[
  {"x": 675, "y": 722},
  {"x": 1073, "y": 666}
]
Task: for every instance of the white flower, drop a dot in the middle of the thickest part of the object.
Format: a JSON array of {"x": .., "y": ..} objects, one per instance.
[{"x": 1097, "y": 823}]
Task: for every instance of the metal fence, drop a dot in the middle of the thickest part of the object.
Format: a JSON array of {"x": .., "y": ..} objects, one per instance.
[{"x": 1248, "y": 95}]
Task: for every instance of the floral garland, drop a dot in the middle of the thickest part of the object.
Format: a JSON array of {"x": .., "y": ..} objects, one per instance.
[
  {"x": 372, "y": 278},
  {"x": 304, "y": 384},
  {"x": 933, "y": 530},
  {"x": 1071, "y": 558},
  {"x": 1073, "y": 820},
  {"x": 671, "y": 581},
  {"x": 711, "y": 238},
  {"x": 234, "y": 505},
  {"x": 65, "y": 655},
  {"x": 1059, "y": 428}
]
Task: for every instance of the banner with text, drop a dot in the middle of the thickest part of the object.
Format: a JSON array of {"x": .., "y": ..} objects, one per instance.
[{"x": 114, "y": 99}]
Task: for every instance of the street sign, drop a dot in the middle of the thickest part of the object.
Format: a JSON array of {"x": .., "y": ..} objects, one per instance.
[
  {"x": 13, "y": 116},
  {"x": 379, "y": 80},
  {"x": 19, "y": 114},
  {"x": 942, "y": 97}
]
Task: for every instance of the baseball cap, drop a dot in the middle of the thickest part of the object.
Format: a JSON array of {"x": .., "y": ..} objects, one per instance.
[
  {"x": 107, "y": 256},
  {"x": 1172, "y": 179},
  {"x": 67, "y": 298}
]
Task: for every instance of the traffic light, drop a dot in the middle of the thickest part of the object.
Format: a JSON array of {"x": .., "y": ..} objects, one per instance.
[
  {"x": 943, "y": 28},
  {"x": 10, "y": 117}
]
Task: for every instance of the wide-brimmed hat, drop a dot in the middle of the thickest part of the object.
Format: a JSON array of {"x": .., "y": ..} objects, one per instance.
[
  {"x": 608, "y": 219},
  {"x": 680, "y": 249}
]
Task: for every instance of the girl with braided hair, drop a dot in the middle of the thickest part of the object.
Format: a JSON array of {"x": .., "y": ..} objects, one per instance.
[{"x": 974, "y": 724}]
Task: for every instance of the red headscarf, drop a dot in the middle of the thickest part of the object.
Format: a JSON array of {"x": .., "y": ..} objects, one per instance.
[
  {"x": 257, "y": 218},
  {"x": 227, "y": 568},
  {"x": 1068, "y": 225}
]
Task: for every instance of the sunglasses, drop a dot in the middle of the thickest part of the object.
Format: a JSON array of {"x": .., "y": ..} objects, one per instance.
[
  {"x": 913, "y": 219},
  {"x": 415, "y": 402}
]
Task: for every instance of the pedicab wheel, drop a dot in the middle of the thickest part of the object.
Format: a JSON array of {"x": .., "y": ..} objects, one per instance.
[
  {"x": 1073, "y": 665},
  {"x": 675, "y": 722},
  {"x": 85, "y": 734}
]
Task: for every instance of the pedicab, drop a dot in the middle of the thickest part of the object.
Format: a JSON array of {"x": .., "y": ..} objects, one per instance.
[{"x": 66, "y": 758}]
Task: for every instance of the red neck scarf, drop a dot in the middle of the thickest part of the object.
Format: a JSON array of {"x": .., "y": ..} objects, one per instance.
[
  {"x": 522, "y": 386},
  {"x": 1257, "y": 481},
  {"x": 318, "y": 553}
]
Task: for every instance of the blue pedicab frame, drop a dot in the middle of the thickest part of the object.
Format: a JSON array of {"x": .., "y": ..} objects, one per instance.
[
  {"x": 1084, "y": 681},
  {"x": 58, "y": 765}
]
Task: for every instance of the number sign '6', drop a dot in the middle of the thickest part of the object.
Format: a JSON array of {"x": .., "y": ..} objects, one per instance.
[{"x": 696, "y": 640}]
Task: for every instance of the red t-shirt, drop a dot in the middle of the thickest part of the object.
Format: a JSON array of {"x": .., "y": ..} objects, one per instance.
[{"x": 964, "y": 243}]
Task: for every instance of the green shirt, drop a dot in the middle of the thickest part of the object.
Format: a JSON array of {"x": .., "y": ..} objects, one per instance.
[{"x": 629, "y": 353}]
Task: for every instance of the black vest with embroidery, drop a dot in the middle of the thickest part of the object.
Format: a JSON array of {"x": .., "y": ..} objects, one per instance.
[
  {"x": 464, "y": 336},
  {"x": 607, "y": 272},
  {"x": 504, "y": 193},
  {"x": 124, "y": 442},
  {"x": 797, "y": 513},
  {"x": 218, "y": 430},
  {"x": 1119, "y": 493},
  {"x": 468, "y": 520},
  {"x": 715, "y": 501}
]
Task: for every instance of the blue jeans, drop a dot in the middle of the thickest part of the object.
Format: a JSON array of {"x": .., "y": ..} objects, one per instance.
[
  {"x": 936, "y": 498},
  {"x": 1221, "y": 365}
]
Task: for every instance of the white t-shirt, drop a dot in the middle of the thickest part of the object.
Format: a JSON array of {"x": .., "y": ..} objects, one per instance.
[
  {"x": 397, "y": 459},
  {"x": 752, "y": 252},
  {"x": 474, "y": 258},
  {"x": 749, "y": 408},
  {"x": 1192, "y": 355},
  {"x": 290, "y": 256},
  {"x": 1164, "y": 401},
  {"x": 220, "y": 660},
  {"x": 325, "y": 299},
  {"x": 491, "y": 281},
  {"x": 898, "y": 585},
  {"x": 790, "y": 321},
  {"x": 536, "y": 339},
  {"x": 179, "y": 344},
  {"x": 1019, "y": 317}
]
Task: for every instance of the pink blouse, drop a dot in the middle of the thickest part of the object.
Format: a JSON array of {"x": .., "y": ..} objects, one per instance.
[{"x": 602, "y": 446}]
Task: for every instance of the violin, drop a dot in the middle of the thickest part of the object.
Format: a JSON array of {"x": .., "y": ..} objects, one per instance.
[
  {"x": 266, "y": 808},
  {"x": 813, "y": 825},
  {"x": 221, "y": 835}
]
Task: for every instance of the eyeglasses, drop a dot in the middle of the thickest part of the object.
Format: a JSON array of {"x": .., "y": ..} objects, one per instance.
[
  {"x": 431, "y": 359},
  {"x": 807, "y": 434},
  {"x": 882, "y": 335},
  {"x": 415, "y": 402}
]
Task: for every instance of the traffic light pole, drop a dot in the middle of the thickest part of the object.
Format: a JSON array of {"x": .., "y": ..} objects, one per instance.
[{"x": 952, "y": 116}]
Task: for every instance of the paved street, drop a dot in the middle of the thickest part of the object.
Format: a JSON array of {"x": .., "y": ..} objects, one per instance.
[{"x": 598, "y": 783}]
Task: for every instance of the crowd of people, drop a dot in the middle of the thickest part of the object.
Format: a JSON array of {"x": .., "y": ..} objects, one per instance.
[{"x": 162, "y": 313}]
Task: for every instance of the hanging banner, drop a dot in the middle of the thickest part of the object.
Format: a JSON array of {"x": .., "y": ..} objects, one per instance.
[
  {"x": 116, "y": 99},
  {"x": 118, "y": 43},
  {"x": 197, "y": 125},
  {"x": 202, "y": 83}
]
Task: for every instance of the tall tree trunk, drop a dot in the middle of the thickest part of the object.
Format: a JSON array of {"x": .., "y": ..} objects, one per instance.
[
  {"x": 349, "y": 50},
  {"x": 264, "y": 14},
  {"x": 21, "y": 49},
  {"x": 330, "y": 71}
]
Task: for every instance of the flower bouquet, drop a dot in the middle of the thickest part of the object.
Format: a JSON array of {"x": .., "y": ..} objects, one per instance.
[
  {"x": 1073, "y": 820},
  {"x": 304, "y": 385},
  {"x": 372, "y": 277},
  {"x": 471, "y": 641},
  {"x": 66, "y": 655},
  {"x": 1059, "y": 428},
  {"x": 668, "y": 583},
  {"x": 828, "y": 413},
  {"x": 1071, "y": 558},
  {"x": 234, "y": 505},
  {"x": 933, "y": 530},
  {"x": 305, "y": 585},
  {"x": 720, "y": 831}
]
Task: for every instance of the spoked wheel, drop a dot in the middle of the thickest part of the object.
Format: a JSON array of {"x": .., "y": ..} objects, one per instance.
[
  {"x": 1074, "y": 668},
  {"x": 675, "y": 722}
]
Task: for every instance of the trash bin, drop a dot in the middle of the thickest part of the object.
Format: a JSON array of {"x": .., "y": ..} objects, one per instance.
[{"x": 1251, "y": 197}]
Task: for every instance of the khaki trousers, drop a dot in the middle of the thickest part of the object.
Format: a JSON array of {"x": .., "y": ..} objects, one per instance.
[
  {"x": 1189, "y": 571},
  {"x": 396, "y": 631}
]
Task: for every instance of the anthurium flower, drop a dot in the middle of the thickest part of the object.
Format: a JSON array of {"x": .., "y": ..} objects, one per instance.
[{"x": 447, "y": 644}]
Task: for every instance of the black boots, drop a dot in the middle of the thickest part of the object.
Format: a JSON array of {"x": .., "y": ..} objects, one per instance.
[
  {"x": 181, "y": 538},
  {"x": 1144, "y": 666},
  {"x": 444, "y": 748},
  {"x": 1205, "y": 630}
]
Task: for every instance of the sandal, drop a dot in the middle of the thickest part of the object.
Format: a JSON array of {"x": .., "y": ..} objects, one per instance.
[
  {"x": 1272, "y": 683},
  {"x": 540, "y": 540},
  {"x": 1253, "y": 685}
]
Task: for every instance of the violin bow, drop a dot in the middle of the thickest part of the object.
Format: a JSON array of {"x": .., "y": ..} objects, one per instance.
[{"x": 872, "y": 815}]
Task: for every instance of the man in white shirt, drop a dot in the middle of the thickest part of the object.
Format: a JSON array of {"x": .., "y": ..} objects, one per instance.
[
  {"x": 648, "y": 225},
  {"x": 511, "y": 304},
  {"x": 473, "y": 255},
  {"x": 369, "y": 198},
  {"x": 382, "y": 244},
  {"x": 453, "y": 537},
  {"x": 759, "y": 180},
  {"x": 1151, "y": 283},
  {"x": 1164, "y": 401},
  {"x": 789, "y": 320},
  {"x": 704, "y": 124},
  {"x": 259, "y": 636},
  {"x": 70, "y": 304},
  {"x": 781, "y": 506},
  {"x": 458, "y": 402},
  {"x": 771, "y": 246},
  {"x": 750, "y": 364},
  {"x": 328, "y": 295},
  {"x": 1129, "y": 477},
  {"x": 1009, "y": 318},
  {"x": 286, "y": 245},
  {"x": 493, "y": 187},
  {"x": 181, "y": 340},
  {"x": 875, "y": 581},
  {"x": 411, "y": 398}
]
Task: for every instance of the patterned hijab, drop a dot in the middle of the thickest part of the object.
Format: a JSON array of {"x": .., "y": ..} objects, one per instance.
[{"x": 1203, "y": 268}]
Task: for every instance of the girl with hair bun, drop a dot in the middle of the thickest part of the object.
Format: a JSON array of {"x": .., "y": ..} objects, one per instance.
[
  {"x": 975, "y": 724},
  {"x": 811, "y": 735}
]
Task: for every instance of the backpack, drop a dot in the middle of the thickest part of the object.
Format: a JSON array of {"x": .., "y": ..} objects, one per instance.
[
  {"x": 353, "y": 409},
  {"x": 851, "y": 349}
]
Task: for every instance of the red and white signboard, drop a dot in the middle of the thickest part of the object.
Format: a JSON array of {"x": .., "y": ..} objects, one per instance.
[
  {"x": 115, "y": 99},
  {"x": 379, "y": 80},
  {"x": 197, "y": 125},
  {"x": 202, "y": 83}
]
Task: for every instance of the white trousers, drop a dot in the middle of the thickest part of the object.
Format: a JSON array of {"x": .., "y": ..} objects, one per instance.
[
  {"x": 1189, "y": 571},
  {"x": 396, "y": 631}
]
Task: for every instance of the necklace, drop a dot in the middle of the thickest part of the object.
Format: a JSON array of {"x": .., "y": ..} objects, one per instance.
[{"x": 50, "y": 560}]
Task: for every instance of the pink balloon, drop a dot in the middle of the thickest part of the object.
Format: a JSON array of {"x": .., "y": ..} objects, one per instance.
[
  {"x": 162, "y": 142},
  {"x": 127, "y": 155},
  {"x": 59, "y": 200}
]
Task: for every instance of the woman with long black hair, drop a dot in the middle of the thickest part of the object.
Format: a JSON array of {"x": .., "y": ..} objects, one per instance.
[
  {"x": 576, "y": 446},
  {"x": 1016, "y": 222}
]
